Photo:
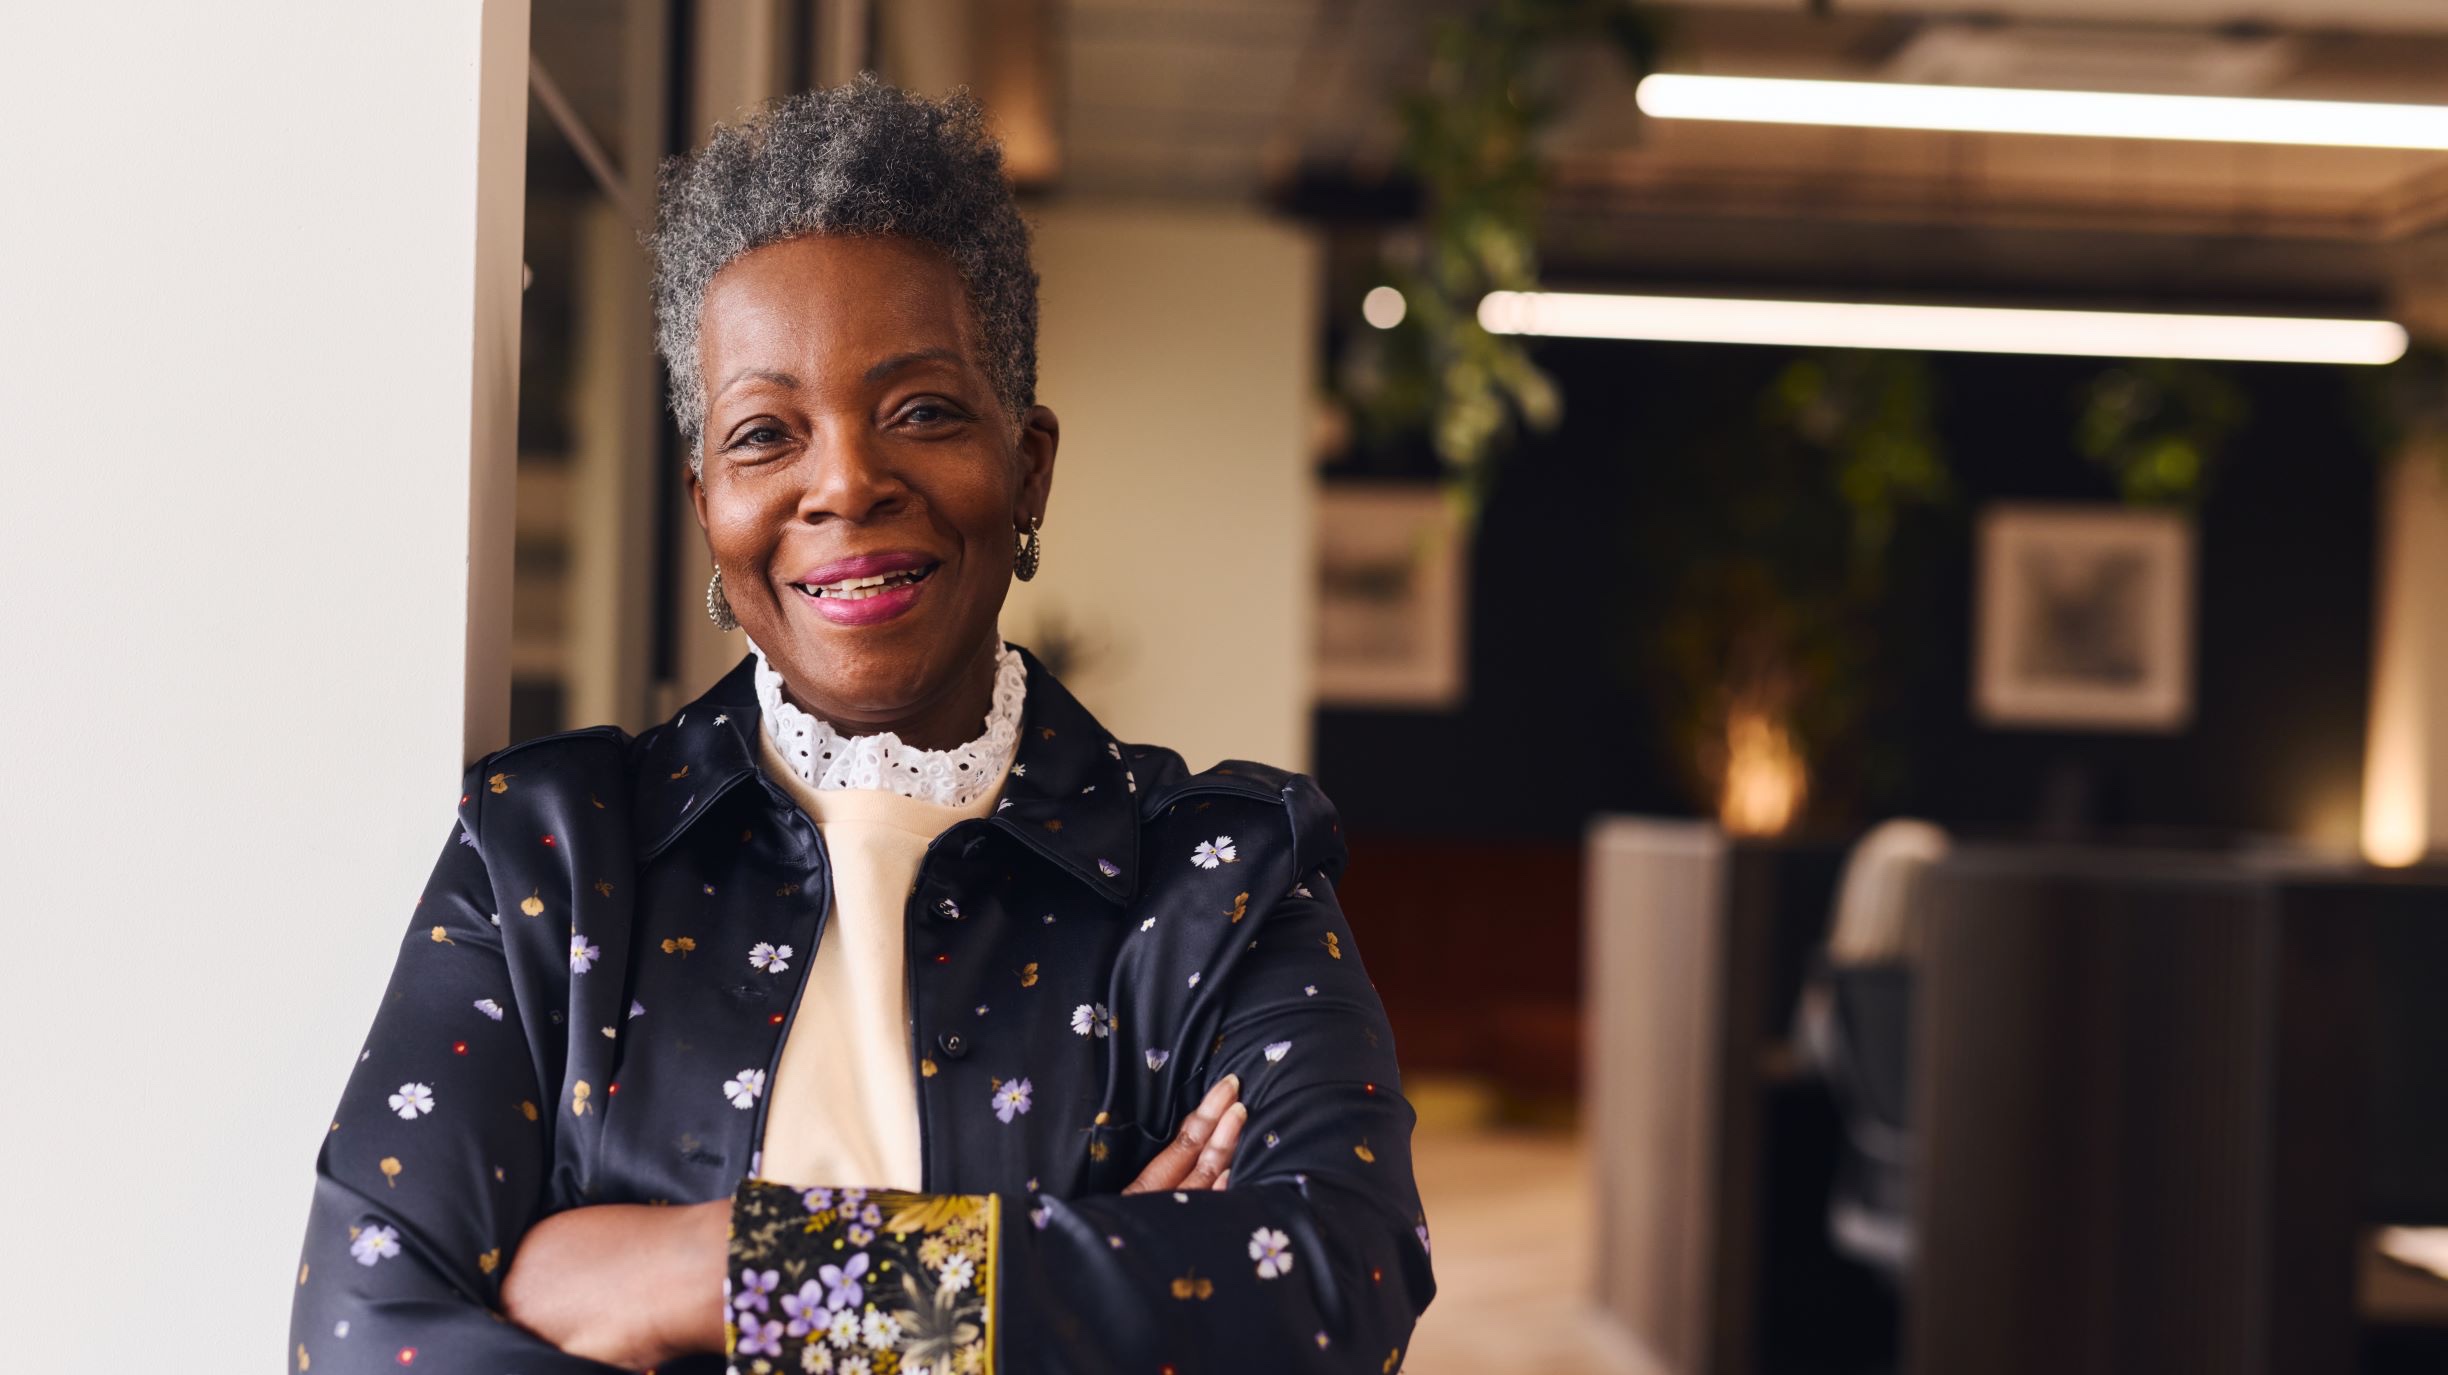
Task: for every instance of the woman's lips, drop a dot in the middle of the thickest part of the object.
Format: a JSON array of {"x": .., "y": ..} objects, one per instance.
[
  {"x": 863, "y": 599},
  {"x": 867, "y": 565}
]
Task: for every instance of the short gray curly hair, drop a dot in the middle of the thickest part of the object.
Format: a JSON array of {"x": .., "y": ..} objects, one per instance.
[{"x": 865, "y": 158}]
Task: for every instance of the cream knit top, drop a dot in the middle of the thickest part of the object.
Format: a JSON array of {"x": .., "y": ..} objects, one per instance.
[{"x": 843, "y": 1111}]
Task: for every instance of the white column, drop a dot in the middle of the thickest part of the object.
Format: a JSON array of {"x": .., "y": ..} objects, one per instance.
[{"x": 257, "y": 368}]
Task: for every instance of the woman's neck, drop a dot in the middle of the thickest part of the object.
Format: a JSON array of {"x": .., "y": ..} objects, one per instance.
[{"x": 952, "y": 718}]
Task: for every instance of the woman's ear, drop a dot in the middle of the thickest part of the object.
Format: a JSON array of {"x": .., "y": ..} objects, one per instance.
[
  {"x": 694, "y": 478},
  {"x": 1040, "y": 436}
]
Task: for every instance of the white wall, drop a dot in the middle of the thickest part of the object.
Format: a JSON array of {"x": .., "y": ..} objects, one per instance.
[
  {"x": 249, "y": 344},
  {"x": 1178, "y": 349}
]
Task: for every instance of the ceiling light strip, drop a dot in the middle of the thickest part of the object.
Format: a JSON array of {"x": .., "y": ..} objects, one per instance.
[
  {"x": 1943, "y": 329},
  {"x": 2082, "y": 114}
]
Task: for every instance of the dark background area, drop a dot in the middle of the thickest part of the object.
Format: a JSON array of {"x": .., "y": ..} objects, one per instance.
[
  {"x": 1562, "y": 587},
  {"x": 1469, "y": 822}
]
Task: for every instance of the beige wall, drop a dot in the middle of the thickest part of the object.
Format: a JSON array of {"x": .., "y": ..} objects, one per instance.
[
  {"x": 1177, "y": 347},
  {"x": 257, "y": 365},
  {"x": 2405, "y": 768}
]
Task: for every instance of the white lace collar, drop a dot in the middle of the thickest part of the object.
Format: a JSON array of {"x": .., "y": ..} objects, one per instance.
[{"x": 825, "y": 758}]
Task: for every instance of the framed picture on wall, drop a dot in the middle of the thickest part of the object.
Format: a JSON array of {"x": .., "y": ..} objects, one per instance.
[
  {"x": 1391, "y": 576},
  {"x": 2085, "y": 619}
]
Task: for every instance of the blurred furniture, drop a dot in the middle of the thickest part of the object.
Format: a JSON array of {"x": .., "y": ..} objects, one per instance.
[
  {"x": 1854, "y": 1029},
  {"x": 1713, "y": 1158},
  {"x": 2152, "y": 1104},
  {"x": 2137, "y": 1125},
  {"x": 1867, "y": 1059}
]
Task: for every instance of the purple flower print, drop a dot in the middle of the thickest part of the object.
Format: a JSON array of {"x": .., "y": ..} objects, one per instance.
[
  {"x": 1273, "y": 1252},
  {"x": 805, "y": 1309},
  {"x": 1012, "y": 1099},
  {"x": 760, "y": 1338},
  {"x": 842, "y": 1287},
  {"x": 373, "y": 1244},
  {"x": 816, "y": 1200},
  {"x": 754, "y": 1285}
]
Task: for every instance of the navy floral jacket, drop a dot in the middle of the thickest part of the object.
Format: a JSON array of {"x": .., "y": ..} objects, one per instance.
[{"x": 576, "y": 1018}]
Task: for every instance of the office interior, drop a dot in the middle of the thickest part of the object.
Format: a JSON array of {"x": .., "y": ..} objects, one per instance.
[
  {"x": 1865, "y": 575},
  {"x": 1891, "y": 842}
]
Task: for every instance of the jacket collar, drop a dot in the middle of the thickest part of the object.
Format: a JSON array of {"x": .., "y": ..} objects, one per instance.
[{"x": 1069, "y": 795}]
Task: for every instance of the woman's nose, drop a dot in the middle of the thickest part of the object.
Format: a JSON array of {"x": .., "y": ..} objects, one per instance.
[{"x": 851, "y": 479}]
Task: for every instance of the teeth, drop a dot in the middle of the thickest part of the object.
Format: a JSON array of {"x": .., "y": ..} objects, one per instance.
[{"x": 859, "y": 589}]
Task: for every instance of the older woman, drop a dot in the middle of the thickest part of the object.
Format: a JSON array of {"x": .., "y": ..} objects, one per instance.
[{"x": 880, "y": 1011}]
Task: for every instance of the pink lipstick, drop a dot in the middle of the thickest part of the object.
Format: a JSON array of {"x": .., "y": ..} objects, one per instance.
[{"x": 868, "y": 589}]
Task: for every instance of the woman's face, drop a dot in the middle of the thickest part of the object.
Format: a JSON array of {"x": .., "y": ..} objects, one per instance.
[{"x": 861, "y": 483}]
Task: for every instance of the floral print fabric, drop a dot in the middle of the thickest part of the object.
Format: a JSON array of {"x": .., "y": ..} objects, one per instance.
[
  {"x": 581, "y": 1013},
  {"x": 878, "y": 1283}
]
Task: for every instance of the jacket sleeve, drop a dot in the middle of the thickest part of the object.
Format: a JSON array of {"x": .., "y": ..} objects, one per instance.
[
  {"x": 1315, "y": 1259},
  {"x": 435, "y": 1161}
]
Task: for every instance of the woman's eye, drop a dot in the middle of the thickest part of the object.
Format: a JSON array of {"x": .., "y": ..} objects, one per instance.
[
  {"x": 928, "y": 413},
  {"x": 756, "y": 436}
]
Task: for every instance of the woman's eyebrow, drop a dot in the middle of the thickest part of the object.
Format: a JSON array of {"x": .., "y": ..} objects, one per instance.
[
  {"x": 899, "y": 361},
  {"x": 784, "y": 380}
]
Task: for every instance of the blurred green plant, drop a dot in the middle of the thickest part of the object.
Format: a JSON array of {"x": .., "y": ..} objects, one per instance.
[
  {"x": 1770, "y": 644},
  {"x": 1470, "y": 137},
  {"x": 2159, "y": 427}
]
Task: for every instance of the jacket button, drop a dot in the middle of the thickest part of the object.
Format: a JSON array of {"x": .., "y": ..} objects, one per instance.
[{"x": 953, "y": 1044}]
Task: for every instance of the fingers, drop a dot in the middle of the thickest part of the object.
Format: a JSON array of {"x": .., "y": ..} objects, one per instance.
[
  {"x": 1217, "y": 1156},
  {"x": 1174, "y": 1163}
]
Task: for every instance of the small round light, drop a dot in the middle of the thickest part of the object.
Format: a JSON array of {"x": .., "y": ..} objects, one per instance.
[{"x": 1382, "y": 307}]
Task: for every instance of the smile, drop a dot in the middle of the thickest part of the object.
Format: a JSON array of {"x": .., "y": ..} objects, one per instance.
[
  {"x": 868, "y": 590},
  {"x": 860, "y": 589}
]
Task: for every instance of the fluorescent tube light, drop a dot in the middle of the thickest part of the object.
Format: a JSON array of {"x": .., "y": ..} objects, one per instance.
[
  {"x": 1946, "y": 329},
  {"x": 2086, "y": 114}
]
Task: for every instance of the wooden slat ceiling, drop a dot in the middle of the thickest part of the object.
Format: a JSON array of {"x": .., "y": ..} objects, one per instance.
[{"x": 1228, "y": 99}]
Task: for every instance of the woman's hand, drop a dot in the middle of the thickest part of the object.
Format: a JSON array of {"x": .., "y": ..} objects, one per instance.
[
  {"x": 1200, "y": 1154},
  {"x": 635, "y": 1286},
  {"x": 628, "y": 1284}
]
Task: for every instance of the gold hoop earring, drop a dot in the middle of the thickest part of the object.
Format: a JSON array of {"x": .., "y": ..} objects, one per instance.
[
  {"x": 1027, "y": 549},
  {"x": 718, "y": 606}
]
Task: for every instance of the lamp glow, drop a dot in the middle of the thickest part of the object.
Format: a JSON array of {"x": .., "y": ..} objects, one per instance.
[
  {"x": 1943, "y": 329},
  {"x": 1383, "y": 307},
  {"x": 2079, "y": 114},
  {"x": 1766, "y": 778}
]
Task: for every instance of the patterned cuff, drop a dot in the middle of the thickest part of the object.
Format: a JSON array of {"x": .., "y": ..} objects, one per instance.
[{"x": 860, "y": 1282}]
